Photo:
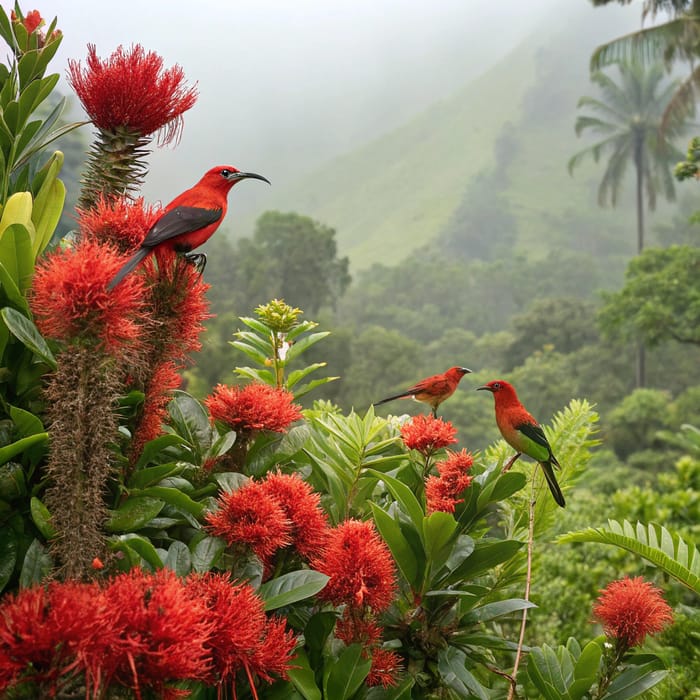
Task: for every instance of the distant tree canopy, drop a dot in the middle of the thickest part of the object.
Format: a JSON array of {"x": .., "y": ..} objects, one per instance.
[
  {"x": 290, "y": 256},
  {"x": 660, "y": 300}
]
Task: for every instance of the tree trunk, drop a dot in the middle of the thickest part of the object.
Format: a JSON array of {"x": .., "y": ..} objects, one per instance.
[{"x": 638, "y": 163}]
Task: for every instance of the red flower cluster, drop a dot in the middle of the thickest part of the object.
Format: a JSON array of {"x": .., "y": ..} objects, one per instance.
[
  {"x": 360, "y": 567},
  {"x": 243, "y": 637},
  {"x": 121, "y": 222},
  {"x": 141, "y": 631},
  {"x": 31, "y": 22},
  {"x": 253, "y": 407},
  {"x": 442, "y": 492},
  {"x": 272, "y": 514},
  {"x": 130, "y": 89},
  {"x": 427, "y": 435},
  {"x": 630, "y": 609},
  {"x": 70, "y": 299}
]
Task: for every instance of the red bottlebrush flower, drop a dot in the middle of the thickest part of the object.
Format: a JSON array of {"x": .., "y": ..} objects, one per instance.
[
  {"x": 177, "y": 301},
  {"x": 158, "y": 392},
  {"x": 630, "y": 609},
  {"x": 359, "y": 565},
  {"x": 120, "y": 222},
  {"x": 242, "y": 637},
  {"x": 354, "y": 627},
  {"x": 427, "y": 434},
  {"x": 302, "y": 506},
  {"x": 386, "y": 666},
  {"x": 70, "y": 299},
  {"x": 253, "y": 407},
  {"x": 131, "y": 90},
  {"x": 160, "y": 632},
  {"x": 252, "y": 517},
  {"x": 442, "y": 492},
  {"x": 32, "y": 20}
]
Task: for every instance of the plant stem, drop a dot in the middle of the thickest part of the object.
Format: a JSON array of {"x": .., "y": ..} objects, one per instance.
[{"x": 528, "y": 581}]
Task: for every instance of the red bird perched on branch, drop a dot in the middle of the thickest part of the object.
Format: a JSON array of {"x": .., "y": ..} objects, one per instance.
[
  {"x": 432, "y": 390},
  {"x": 523, "y": 433},
  {"x": 190, "y": 219}
]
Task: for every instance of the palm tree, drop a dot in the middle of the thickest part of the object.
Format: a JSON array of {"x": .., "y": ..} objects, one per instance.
[{"x": 628, "y": 116}]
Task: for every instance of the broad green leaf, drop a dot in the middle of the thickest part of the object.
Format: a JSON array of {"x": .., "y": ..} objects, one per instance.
[
  {"x": 206, "y": 553},
  {"x": 586, "y": 669},
  {"x": 486, "y": 555},
  {"x": 12, "y": 450},
  {"x": 401, "y": 550},
  {"x": 26, "y": 422},
  {"x": 10, "y": 291},
  {"x": 454, "y": 674},
  {"x": 26, "y": 332},
  {"x": 230, "y": 481},
  {"x": 191, "y": 421},
  {"x": 142, "y": 546},
  {"x": 36, "y": 566},
  {"x": 154, "y": 447},
  {"x": 173, "y": 497},
  {"x": 42, "y": 518},
  {"x": 133, "y": 514},
  {"x": 438, "y": 529},
  {"x": 302, "y": 676},
  {"x": 405, "y": 497},
  {"x": 491, "y": 611},
  {"x": 179, "y": 558},
  {"x": 8, "y": 554},
  {"x": 13, "y": 484},
  {"x": 16, "y": 253},
  {"x": 150, "y": 476},
  {"x": 291, "y": 588},
  {"x": 343, "y": 676},
  {"x": 634, "y": 681}
]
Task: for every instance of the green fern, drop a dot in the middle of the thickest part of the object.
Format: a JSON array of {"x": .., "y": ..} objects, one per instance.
[{"x": 652, "y": 542}]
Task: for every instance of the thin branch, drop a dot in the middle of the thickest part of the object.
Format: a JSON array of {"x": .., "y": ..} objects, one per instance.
[{"x": 528, "y": 580}]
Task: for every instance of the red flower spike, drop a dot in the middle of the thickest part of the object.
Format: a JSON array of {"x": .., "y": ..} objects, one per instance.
[
  {"x": 120, "y": 222},
  {"x": 70, "y": 299},
  {"x": 130, "y": 89},
  {"x": 427, "y": 435},
  {"x": 252, "y": 517},
  {"x": 354, "y": 628},
  {"x": 360, "y": 566},
  {"x": 302, "y": 506},
  {"x": 385, "y": 669},
  {"x": 630, "y": 609},
  {"x": 442, "y": 492},
  {"x": 253, "y": 407}
]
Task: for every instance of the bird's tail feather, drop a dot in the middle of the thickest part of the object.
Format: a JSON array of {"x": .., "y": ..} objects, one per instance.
[
  {"x": 128, "y": 266},
  {"x": 552, "y": 483},
  {"x": 404, "y": 395}
]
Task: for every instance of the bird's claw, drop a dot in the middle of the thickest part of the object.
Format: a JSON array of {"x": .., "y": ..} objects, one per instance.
[
  {"x": 510, "y": 462},
  {"x": 199, "y": 260}
]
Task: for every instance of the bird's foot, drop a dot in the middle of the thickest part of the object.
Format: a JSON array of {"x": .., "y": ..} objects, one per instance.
[
  {"x": 510, "y": 462},
  {"x": 199, "y": 260}
]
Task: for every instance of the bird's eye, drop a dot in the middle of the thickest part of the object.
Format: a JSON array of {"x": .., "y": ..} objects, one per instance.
[
  {"x": 497, "y": 385},
  {"x": 225, "y": 172}
]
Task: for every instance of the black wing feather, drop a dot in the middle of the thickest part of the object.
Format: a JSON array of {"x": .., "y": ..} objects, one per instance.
[
  {"x": 535, "y": 432},
  {"x": 178, "y": 221}
]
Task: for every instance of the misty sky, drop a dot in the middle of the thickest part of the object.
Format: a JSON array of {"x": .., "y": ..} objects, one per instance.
[{"x": 283, "y": 86}]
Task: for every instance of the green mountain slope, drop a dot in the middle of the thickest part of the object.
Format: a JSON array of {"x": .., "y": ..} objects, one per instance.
[{"x": 400, "y": 191}]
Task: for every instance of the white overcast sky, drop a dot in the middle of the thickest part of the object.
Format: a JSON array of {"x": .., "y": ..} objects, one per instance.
[{"x": 285, "y": 82}]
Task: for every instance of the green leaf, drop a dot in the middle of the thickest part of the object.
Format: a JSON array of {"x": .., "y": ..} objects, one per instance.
[
  {"x": 454, "y": 674},
  {"x": 142, "y": 546},
  {"x": 291, "y": 588},
  {"x": 586, "y": 669},
  {"x": 206, "y": 553},
  {"x": 652, "y": 542},
  {"x": 634, "y": 681},
  {"x": 36, "y": 566},
  {"x": 179, "y": 558},
  {"x": 493, "y": 610},
  {"x": 8, "y": 554},
  {"x": 344, "y": 675},
  {"x": 26, "y": 332},
  {"x": 486, "y": 555},
  {"x": 173, "y": 497},
  {"x": 191, "y": 421},
  {"x": 16, "y": 255},
  {"x": 154, "y": 447},
  {"x": 13, "y": 484},
  {"x": 42, "y": 518},
  {"x": 302, "y": 676},
  {"x": 133, "y": 514},
  {"x": 26, "y": 422},
  {"x": 19, "y": 446},
  {"x": 230, "y": 481},
  {"x": 11, "y": 291},
  {"x": 405, "y": 497},
  {"x": 438, "y": 529},
  {"x": 142, "y": 478},
  {"x": 401, "y": 550}
]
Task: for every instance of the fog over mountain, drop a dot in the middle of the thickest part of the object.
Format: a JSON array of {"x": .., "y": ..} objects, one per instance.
[{"x": 284, "y": 87}]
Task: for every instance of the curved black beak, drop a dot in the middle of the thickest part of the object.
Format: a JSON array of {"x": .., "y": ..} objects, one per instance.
[
  {"x": 465, "y": 370},
  {"x": 484, "y": 388},
  {"x": 244, "y": 176}
]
